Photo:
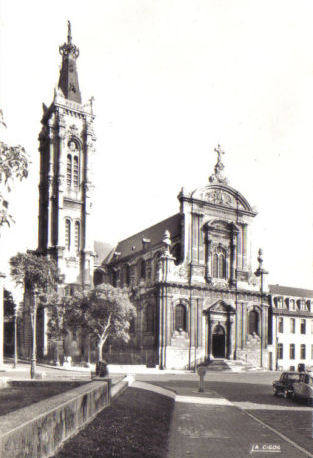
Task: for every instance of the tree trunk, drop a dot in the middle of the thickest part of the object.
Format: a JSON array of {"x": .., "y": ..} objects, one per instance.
[{"x": 100, "y": 347}]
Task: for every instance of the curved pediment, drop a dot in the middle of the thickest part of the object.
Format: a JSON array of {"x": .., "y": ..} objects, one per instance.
[
  {"x": 222, "y": 195},
  {"x": 219, "y": 306}
]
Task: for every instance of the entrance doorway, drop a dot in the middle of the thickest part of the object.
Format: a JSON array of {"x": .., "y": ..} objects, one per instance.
[{"x": 218, "y": 342}]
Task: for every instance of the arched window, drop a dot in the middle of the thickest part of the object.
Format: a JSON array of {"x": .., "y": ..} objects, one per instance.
[
  {"x": 180, "y": 318},
  {"x": 72, "y": 165},
  {"x": 67, "y": 234},
  {"x": 176, "y": 253},
  {"x": 219, "y": 264},
  {"x": 127, "y": 274},
  {"x": 77, "y": 235},
  {"x": 115, "y": 277},
  {"x": 98, "y": 277},
  {"x": 76, "y": 171},
  {"x": 69, "y": 171},
  {"x": 149, "y": 319},
  {"x": 253, "y": 322},
  {"x": 215, "y": 266},
  {"x": 143, "y": 269}
]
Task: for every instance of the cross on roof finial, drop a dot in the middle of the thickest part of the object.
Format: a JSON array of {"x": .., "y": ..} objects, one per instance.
[
  {"x": 69, "y": 32},
  {"x": 219, "y": 152},
  {"x": 218, "y": 176}
]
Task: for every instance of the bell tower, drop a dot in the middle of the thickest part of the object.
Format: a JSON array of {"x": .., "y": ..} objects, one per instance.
[{"x": 67, "y": 147}]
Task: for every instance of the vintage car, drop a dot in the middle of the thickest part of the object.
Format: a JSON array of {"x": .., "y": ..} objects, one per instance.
[
  {"x": 284, "y": 386},
  {"x": 303, "y": 389}
]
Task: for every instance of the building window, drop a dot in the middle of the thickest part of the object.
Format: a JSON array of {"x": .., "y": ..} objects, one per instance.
[
  {"x": 77, "y": 235},
  {"x": 292, "y": 351},
  {"x": 281, "y": 325},
  {"x": 69, "y": 171},
  {"x": 180, "y": 318},
  {"x": 292, "y": 305},
  {"x": 149, "y": 319},
  {"x": 143, "y": 269},
  {"x": 215, "y": 266},
  {"x": 219, "y": 264},
  {"x": 176, "y": 253},
  {"x": 302, "y": 326},
  {"x": 311, "y": 326},
  {"x": 302, "y": 351},
  {"x": 76, "y": 172},
  {"x": 115, "y": 278},
  {"x": 301, "y": 303},
  {"x": 67, "y": 234},
  {"x": 312, "y": 351},
  {"x": 279, "y": 303},
  {"x": 280, "y": 351},
  {"x": 98, "y": 277},
  {"x": 253, "y": 322},
  {"x": 127, "y": 274},
  {"x": 72, "y": 165},
  {"x": 292, "y": 325}
]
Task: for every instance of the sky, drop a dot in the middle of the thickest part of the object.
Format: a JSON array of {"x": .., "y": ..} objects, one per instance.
[{"x": 171, "y": 80}]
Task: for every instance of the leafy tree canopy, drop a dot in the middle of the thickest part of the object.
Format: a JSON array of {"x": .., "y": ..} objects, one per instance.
[
  {"x": 14, "y": 164},
  {"x": 34, "y": 271},
  {"x": 101, "y": 312}
]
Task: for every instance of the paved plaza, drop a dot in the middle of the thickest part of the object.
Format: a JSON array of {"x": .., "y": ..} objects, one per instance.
[{"x": 236, "y": 415}]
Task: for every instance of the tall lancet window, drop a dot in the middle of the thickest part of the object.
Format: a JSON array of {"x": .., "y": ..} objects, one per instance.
[
  {"x": 69, "y": 171},
  {"x": 77, "y": 235},
  {"x": 76, "y": 171},
  {"x": 72, "y": 165},
  {"x": 67, "y": 234}
]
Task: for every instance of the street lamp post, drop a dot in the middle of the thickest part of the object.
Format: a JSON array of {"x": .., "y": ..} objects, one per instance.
[
  {"x": 15, "y": 336},
  {"x": 34, "y": 323},
  {"x": 260, "y": 272}
]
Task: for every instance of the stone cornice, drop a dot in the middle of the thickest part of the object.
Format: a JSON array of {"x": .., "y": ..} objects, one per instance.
[{"x": 209, "y": 205}]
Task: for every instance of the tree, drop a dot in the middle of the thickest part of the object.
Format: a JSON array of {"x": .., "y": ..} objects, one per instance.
[
  {"x": 39, "y": 275},
  {"x": 14, "y": 164},
  {"x": 34, "y": 271},
  {"x": 101, "y": 312}
]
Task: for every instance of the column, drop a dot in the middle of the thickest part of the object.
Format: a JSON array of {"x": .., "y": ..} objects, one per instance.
[
  {"x": 244, "y": 247},
  {"x": 208, "y": 261},
  {"x": 233, "y": 246},
  {"x": 229, "y": 337}
]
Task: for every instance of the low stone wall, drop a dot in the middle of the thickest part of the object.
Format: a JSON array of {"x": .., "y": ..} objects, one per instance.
[{"x": 40, "y": 429}]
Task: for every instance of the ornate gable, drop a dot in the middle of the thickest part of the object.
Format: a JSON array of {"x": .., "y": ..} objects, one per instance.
[{"x": 222, "y": 195}]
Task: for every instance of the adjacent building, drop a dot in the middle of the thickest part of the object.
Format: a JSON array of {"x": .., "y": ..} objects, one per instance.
[{"x": 291, "y": 318}]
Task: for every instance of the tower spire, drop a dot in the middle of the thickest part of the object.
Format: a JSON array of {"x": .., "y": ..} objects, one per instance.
[
  {"x": 69, "y": 32},
  {"x": 68, "y": 81}
]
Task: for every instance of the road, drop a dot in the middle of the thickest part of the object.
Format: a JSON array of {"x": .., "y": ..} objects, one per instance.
[{"x": 251, "y": 393}]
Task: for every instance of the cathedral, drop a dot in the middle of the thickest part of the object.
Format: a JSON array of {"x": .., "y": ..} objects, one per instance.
[{"x": 190, "y": 276}]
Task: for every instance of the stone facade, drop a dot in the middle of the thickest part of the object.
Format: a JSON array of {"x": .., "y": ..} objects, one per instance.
[
  {"x": 291, "y": 333},
  {"x": 190, "y": 275},
  {"x": 191, "y": 279},
  {"x": 67, "y": 147}
]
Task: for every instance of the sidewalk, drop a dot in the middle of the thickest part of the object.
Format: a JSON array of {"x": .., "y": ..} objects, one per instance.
[{"x": 208, "y": 425}]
